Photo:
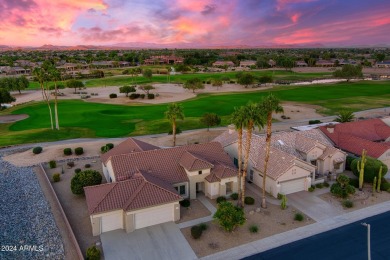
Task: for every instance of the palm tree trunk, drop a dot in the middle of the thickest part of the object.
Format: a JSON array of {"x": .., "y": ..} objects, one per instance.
[
  {"x": 174, "y": 132},
  {"x": 267, "y": 150},
  {"x": 55, "y": 106},
  {"x": 246, "y": 158},
  {"x": 239, "y": 201},
  {"x": 47, "y": 99}
]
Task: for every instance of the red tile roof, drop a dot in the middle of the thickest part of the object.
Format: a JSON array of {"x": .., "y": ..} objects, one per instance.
[
  {"x": 221, "y": 171},
  {"x": 130, "y": 145},
  {"x": 192, "y": 162},
  {"x": 142, "y": 191},
  {"x": 353, "y": 137}
]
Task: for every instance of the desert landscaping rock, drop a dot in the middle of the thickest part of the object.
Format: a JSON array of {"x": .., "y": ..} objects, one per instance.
[{"x": 28, "y": 229}]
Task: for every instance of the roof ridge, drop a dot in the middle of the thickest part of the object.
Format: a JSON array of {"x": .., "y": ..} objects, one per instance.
[
  {"x": 199, "y": 158},
  {"x": 135, "y": 194},
  {"x": 103, "y": 197}
]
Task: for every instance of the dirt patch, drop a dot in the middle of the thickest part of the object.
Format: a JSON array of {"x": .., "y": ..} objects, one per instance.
[{"x": 12, "y": 118}]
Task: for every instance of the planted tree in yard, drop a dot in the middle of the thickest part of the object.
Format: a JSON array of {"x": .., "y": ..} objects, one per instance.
[
  {"x": 84, "y": 179},
  {"x": 379, "y": 179},
  {"x": 210, "y": 119},
  {"x": 229, "y": 216},
  {"x": 5, "y": 96},
  {"x": 126, "y": 90},
  {"x": 146, "y": 89},
  {"x": 349, "y": 71},
  {"x": 174, "y": 112},
  {"x": 73, "y": 83},
  {"x": 345, "y": 116},
  {"x": 238, "y": 119},
  {"x": 268, "y": 105},
  {"x": 253, "y": 117},
  {"x": 147, "y": 73},
  {"x": 217, "y": 83},
  {"x": 193, "y": 84}
]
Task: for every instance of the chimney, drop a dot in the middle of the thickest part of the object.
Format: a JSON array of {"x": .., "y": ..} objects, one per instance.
[
  {"x": 330, "y": 128},
  {"x": 231, "y": 129}
]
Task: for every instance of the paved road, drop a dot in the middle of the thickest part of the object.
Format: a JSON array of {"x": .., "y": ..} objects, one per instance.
[{"x": 347, "y": 242}]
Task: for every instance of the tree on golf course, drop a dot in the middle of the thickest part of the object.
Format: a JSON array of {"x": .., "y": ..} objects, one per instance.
[
  {"x": 43, "y": 77},
  {"x": 193, "y": 84},
  {"x": 210, "y": 119},
  {"x": 127, "y": 90},
  {"x": 73, "y": 83},
  {"x": 174, "y": 112},
  {"x": 5, "y": 96},
  {"x": 349, "y": 71}
]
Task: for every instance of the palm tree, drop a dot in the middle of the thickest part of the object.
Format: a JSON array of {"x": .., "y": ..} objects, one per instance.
[
  {"x": 175, "y": 111},
  {"x": 253, "y": 117},
  {"x": 42, "y": 78},
  {"x": 55, "y": 75},
  {"x": 238, "y": 119},
  {"x": 268, "y": 105},
  {"x": 345, "y": 116}
]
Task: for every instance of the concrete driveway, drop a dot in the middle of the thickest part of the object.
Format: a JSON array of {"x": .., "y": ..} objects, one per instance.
[
  {"x": 164, "y": 241},
  {"x": 313, "y": 206}
]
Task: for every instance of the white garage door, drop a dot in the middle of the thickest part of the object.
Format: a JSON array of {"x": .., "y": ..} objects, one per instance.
[
  {"x": 154, "y": 216},
  {"x": 288, "y": 187},
  {"x": 112, "y": 222}
]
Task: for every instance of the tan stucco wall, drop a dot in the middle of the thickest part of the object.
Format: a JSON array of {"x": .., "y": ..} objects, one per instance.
[
  {"x": 299, "y": 173},
  {"x": 110, "y": 171},
  {"x": 314, "y": 153},
  {"x": 193, "y": 180},
  {"x": 212, "y": 190},
  {"x": 96, "y": 225}
]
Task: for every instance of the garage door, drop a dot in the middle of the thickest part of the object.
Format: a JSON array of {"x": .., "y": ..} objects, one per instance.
[
  {"x": 154, "y": 216},
  {"x": 288, "y": 187},
  {"x": 112, "y": 222}
]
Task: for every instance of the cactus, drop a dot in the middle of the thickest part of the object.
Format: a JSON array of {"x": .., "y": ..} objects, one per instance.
[
  {"x": 378, "y": 185},
  {"x": 283, "y": 204},
  {"x": 374, "y": 186},
  {"x": 360, "y": 167}
]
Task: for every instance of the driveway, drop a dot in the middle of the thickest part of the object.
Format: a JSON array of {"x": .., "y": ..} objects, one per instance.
[
  {"x": 164, "y": 241},
  {"x": 313, "y": 206}
]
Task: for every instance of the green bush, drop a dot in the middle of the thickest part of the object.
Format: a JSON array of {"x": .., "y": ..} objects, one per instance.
[
  {"x": 52, "y": 164},
  {"x": 134, "y": 95},
  {"x": 87, "y": 165},
  {"x": 319, "y": 185},
  {"x": 84, "y": 179},
  {"x": 279, "y": 196},
  {"x": 298, "y": 217},
  {"x": 348, "y": 162},
  {"x": 79, "y": 150},
  {"x": 77, "y": 170},
  {"x": 110, "y": 145},
  {"x": 150, "y": 96},
  {"x": 70, "y": 164},
  {"x": 93, "y": 253},
  {"x": 354, "y": 182},
  {"x": 142, "y": 96},
  {"x": 56, "y": 177},
  {"x": 326, "y": 184},
  {"x": 350, "y": 189},
  {"x": 68, "y": 151},
  {"x": 196, "y": 232},
  {"x": 371, "y": 168},
  {"x": 313, "y": 122},
  {"x": 312, "y": 186},
  {"x": 311, "y": 189},
  {"x": 336, "y": 190},
  {"x": 347, "y": 203},
  {"x": 228, "y": 216},
  {"x": 203, "y": 226},
  {"x": 185, "y": 203},
  {"x": 37, "y": 150},
  {"x": 249, "y": 200},
  {"x": 385, "y": 185},
  {"x": 234, "y": 196},
  {"x": 113, "y": 95},
  {"x": 221, "y": 199},
  {"x": 253, "y": 229}
]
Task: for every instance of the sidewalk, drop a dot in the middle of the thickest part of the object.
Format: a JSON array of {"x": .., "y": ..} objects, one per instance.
[{"x": 300, "y": 233}]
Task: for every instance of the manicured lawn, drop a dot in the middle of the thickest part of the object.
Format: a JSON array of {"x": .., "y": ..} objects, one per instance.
[{"x": 84, "y": 119}]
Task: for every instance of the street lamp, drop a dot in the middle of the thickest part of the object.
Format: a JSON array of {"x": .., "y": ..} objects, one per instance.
[{"x": 368, "y": 240}]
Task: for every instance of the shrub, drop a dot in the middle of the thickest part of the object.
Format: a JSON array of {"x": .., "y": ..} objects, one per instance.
[
  {"x": 350, "y": 189},
  {"x": 110, "y": 145},
  {"x": 37, "y": 150},
  {"x": 150, "y": 96},
  {"x": 134, "y": 95},
  {"x": 84, "y": 179},
  {"x": 142, "y": 96},
  {"x": 348, "y": 162},
  {"x": 228, "y": 216},
  {"x": 319, "y": 185},
  {"x": 249, "y": 200},
  {"x": 385, "y": 185},
  {"x": 70, "y": 164},
  {"x": 56, "y": 177},
  {"x": 326, "y": 184},
  {"x": 93, "y": 253},
  {"x": 185, "y": 203},
  {"x": 280, "y": 196},
  {"x": 79, "y": 150},
  {"x": 311, "y": 189},
  {"x": 87, "y": 165},
  {"x": 196, "y": 232},
  {"x": 113, "y": 95},
  {"x": 371, "y": 168},
  {"x": 313, "y": 122},
  {"x": 312, "y": 186},
  {"x": 354, "y": 182},
  {"x": 221, "y": 199},
  {"x": 253, "y": 229},
  {"x": 77, "y": 170},
  {"x": 52, "y": 164},
  {"x": 234, "y": 196},
  {"x": 336, "y": 190},
  {"x": 203, "y": 226},
  {"x": 347, "y": 203},
  {"x": 298, "y": 217},
  {"x": 67, "y": 151}
]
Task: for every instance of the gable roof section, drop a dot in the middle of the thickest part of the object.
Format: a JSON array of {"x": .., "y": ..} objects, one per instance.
[
  {"x": 140, "y": 192},
  {"x": 130, "y": 145},
  {"x": 192, "y": 162},
  {"x": 165, "y": 163},
  {"x": 355, "y": 145},
  {"x": 221, "y": 171}
]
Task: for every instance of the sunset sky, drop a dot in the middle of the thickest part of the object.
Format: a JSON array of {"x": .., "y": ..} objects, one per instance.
[{"x": 220, "y": 22}]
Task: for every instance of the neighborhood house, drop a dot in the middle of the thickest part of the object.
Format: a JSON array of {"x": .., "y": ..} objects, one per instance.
[{"x": 146, "y": 183}]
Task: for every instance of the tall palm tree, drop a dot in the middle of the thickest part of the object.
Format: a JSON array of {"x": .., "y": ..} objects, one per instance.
[
  {"x": 238, "y": 119},
  {"x": 175, "y": 111},
  {"x": 55, "y": 75},
  {"x": 42, "y": 78},
  {"x": 268, "y": 105},
  {"x": 253, "y": 117}
]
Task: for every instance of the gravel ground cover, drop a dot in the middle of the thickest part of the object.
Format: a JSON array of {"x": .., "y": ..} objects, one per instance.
[{"x": 27, "y": 226}]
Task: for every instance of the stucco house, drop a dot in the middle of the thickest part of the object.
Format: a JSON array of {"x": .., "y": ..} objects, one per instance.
[
  {"x": 146, "y": 183},
  {"x": 297, "y": 159}
]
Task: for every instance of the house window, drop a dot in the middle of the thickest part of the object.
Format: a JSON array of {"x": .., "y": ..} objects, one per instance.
[
  {"x": 251, "y": 175},
  {"x": 235, "y": 161},
  {"x": 337, "y": 166},
  {"x": 199, "y": 172},
  {"x": 181, "y": 189}
]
